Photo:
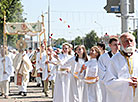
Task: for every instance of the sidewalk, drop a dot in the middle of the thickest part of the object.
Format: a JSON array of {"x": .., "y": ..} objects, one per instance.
[{"x": 34, "y": 94}]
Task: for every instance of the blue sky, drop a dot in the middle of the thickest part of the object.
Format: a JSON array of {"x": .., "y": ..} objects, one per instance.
[{"x": 82, "y": 16}]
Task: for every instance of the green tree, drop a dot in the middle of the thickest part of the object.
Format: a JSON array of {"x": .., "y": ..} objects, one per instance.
[
  {"x": 59, "y": 42},
  {"x": 135, "y": 34},
  {"x": 91, "y": 39},
  {"x": 78, "y": 41},
  {"x": 13, "y": 9}
]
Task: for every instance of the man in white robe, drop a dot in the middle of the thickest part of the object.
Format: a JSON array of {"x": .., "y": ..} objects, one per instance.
[
  {"x": 5, "y": 74},
  {"x": 48, "y": 74},
  {"x": 39, "y": 69},
  {"x": 103, "y": 64},
  {"x": 23, "y": 66},
  {"x": 39, "y": 66},
  {"x": 121, "y": 80}
]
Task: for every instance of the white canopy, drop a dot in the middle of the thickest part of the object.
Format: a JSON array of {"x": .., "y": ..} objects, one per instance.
[{"x": 23, "y": 28}]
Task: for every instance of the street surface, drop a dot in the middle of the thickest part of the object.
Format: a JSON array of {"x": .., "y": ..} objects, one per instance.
[{"x": 34, "y": 94}]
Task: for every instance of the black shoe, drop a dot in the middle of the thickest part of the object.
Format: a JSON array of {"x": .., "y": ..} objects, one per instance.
[
  {"x": 1, "y": 94},
  {"x": 38, "y": 85},
  {"x": 20, "y": 93},
  {"x": 24, "y": 94},
  {"x": 43, "y": 90},
  {"x": 46, "y": 95}
]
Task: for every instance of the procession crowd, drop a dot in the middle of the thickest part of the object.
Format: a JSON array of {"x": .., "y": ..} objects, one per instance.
[{"x": 75, "y": 75}]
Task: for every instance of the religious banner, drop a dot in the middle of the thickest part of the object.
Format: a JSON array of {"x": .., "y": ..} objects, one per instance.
[{"x": 23, "y": 28}]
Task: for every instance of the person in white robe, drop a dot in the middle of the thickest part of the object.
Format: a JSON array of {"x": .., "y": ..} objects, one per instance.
[
  {"x": 76, "y": 85},
  {"x": 81, "y": 58},
  {"x": 48, "y": 74},
  {"x": 30, "y": 53},
  {"x": 38, "y": 66},
  {"x": 121, "y": 80},
  {"x": 61, "y": 90},
  {"x": 23, "y": 66},
  {"x": 90, "y": 68},
  {"x": 103, "y": 64},
  {"x": 5, "y": 72}
]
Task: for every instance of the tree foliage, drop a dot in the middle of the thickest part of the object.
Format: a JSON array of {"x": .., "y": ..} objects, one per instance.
[
  {"x": 58, "y": 42},
  {"x": 13, "y": 10},
  {"x": 78, "y": 41},
  {"x": 91, "y": 39},
  {"x": 135, "y": 34}
]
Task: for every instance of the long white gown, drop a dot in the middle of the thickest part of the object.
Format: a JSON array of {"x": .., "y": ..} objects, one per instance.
[
  {"x": 22, "y": 62},
  {"x": 61, "y": 90},
  {"x": 73, "y": 89},
  {"x": 118, "y": 77},
  {"x": 103, "y": 64},
  {"x": 8, "y": 69},
  {"x": 93, "y": 89},
  {"x": 77, "y": 88},
  {"x": 81, "y": 85},
  {"x": 5, "y": 78}
]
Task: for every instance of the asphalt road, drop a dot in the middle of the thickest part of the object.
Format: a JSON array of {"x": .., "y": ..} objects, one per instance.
[{"x": 34, "y": 94}]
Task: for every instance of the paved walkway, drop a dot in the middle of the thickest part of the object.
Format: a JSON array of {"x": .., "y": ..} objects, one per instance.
[{"x": 34, "y": 94}]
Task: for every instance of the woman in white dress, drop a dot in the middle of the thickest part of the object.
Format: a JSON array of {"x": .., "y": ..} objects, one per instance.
[
  {"x": 90, "y": 69},
  {"x": 75, "y": 63},
  {"x": 80, "y": 59},
  {"x": 61, "y": 91}
]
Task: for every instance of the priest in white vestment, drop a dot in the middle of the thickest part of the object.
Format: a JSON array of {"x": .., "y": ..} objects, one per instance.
[
  {"x": 23, "y": 66},
  {"x": 5, "y": 73},
  {"x": 121, "y": 80}
]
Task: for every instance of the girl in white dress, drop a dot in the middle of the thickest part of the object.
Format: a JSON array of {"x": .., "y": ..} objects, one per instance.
[
  {"x": 61, "y": 91},
  {"x": 76, "y": 85},
  {"x": 80, "y": 59},
  {"x": 90, "y": 69}
]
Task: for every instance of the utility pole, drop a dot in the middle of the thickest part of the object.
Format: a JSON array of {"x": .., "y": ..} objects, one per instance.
[
  {"x": 49, "y": 40},
  {"x": 125, "y": 15},
  {"x": 133, "y": 24},
  {"x": 137, "y": 31}
]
